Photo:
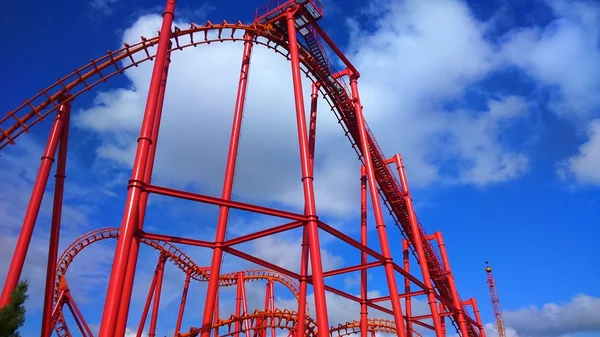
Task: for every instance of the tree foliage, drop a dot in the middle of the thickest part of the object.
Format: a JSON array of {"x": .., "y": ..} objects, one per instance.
[{"x": 12, "y": 316}]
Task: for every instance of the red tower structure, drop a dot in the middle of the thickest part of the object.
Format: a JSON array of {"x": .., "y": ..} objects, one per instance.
[
  {"x": 291, "y": 29},
  {"x": 495, "y": 301}
]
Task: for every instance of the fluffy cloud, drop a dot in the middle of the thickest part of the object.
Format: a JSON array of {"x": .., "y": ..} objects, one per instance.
[
  {"x": 563, "y": 55},
  {"x": 584, "y": 165},
  {"x": 421, "y": 55},
  {"x": 552, "y": 320},
  {"x": 444, "y": 59}
]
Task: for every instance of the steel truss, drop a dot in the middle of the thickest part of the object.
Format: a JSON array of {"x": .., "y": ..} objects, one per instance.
[{"x": 291, "y": 29}]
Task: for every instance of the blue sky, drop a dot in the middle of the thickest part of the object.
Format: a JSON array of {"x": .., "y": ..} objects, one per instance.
[{"x": 493, "y": 105}]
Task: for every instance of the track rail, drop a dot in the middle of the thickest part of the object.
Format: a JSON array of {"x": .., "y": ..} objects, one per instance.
[
  {"x": 83, "y": 79},
  {"x": 286, "y": 319},
  {"x": 175, "y": 255}
]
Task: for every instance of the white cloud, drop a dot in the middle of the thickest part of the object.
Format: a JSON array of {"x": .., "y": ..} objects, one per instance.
[
  {"x": 419, "y": 66},
  {"x": 577, "y": 316},
  {"x": 427, "y": 53},
  {"x": 584, "y": 166},
  {"x": 563, "y": 55}
]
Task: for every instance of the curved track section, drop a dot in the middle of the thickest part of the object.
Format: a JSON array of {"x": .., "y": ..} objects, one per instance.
[
  {"x": 98, "y": 71},
  {"x": 286, "y": 319},
  {"x": 174, "y": 254},
  {"x": 113, "y": 63},
  {"x": 373, "y": 325},
  {"x": 283, "y": 319}
]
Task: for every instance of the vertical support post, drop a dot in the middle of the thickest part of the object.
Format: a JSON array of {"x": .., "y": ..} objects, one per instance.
[
  {"x": 246, "y": 323},
  {"x": 480, "y": 327},
  {"x": 147, "y": 305},
  {"x": 33, "y": 209},
  {"x": 417, "y": 241},
  {"x": 379, "y": 222},
  {"x": 216, "y": 316},
  {"x": 186, "y": 285},
  {"x": 462, "y": 322},
  {"x": 215, "y": 267},
  {"x": 312, "y": 130},
  {"x": 130, "y": 223},
  {"x": 135, "y": 245},
  {"x": 61, "y": 167},
  {"x": 307, "y": 182},
  {"x": 160, "y": 272},
  {"x": 301, "y": 322},
  {"x": 407, "y": 299},
  {"x": 238, "y": 303},
  {"x": 443, "y": 318},
  {"x": 272, "y": 303},
  {"x": 363, "y": 255}
]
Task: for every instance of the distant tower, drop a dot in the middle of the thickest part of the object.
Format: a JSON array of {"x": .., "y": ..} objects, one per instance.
[{"x": 495, "y": 301}]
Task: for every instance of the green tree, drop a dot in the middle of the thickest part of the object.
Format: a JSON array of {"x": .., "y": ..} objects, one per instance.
[{"x": 12, "y": 316}]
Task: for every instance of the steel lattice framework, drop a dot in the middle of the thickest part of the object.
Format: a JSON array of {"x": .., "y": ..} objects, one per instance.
[{"x": 290, "y": 28}]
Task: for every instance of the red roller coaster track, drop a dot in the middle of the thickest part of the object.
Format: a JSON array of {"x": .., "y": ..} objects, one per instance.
[{"x": 291, "y": 29}]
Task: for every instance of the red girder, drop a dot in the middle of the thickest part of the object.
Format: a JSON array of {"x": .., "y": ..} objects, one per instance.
[
  {"x": 177, "y": 256},
  {"x": 318, "y": 69},
  {"x": 279, "y": 318},
  {"x": 286, "y": 319}
]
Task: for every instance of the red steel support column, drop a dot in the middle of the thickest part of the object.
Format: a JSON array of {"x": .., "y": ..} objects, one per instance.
[
  {"x": 462, "y": 323},
  {"x": 130, "y": 223},
  {"x": 443, "y": 318},
  {"x": 186, "y": 285},
  {"x": 147, "y": 305},
  {"x": 379, "y": 222},
  {"x": 418, "y": 244},
  {"x": 33, "y": 209},
  {"x": 160, "y": 272},
  {"x": 473, "y": 302},
  {"x": 307, "y": 182},
  {"x": 363, "y": 255},
  {"x": 244, "y": 303},
  {"x": 312, "y": 130},
  {"x": 215, "y": 267},
  {"x": 271, "y": 285},
  {"x": 407, "y": 299},
  {"x": 216, "y": 316},
  {"x": 238, "y": 303},
  {"x": 61, "y": 167},
  {"x": 312, "y": 133},
  {"x": 135, "y": 245}
]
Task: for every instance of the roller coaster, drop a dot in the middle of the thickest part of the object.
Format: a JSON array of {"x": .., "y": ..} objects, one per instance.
[{"x": 291, "y": 29}]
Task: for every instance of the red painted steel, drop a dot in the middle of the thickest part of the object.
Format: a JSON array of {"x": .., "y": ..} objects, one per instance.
[
  {"x": 291, "y": 29},
  {"x": 33, "y": 209},
  {"x": 57, "y": 203},
  {"x": 363, "y": 255},
  {"x": 215, "y": 268},
  {"x": 418, "y": 242},
  {"x": 130, "y": 224},
  {"x": 186, "y": 286},
  {"x": 133, "y": 252}
]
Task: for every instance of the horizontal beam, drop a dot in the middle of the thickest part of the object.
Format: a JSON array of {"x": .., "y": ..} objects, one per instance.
[{"x": 222, "y": 202}]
